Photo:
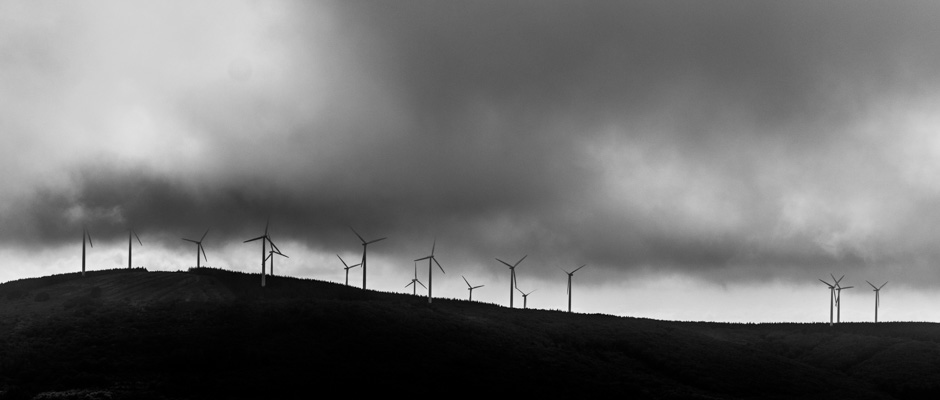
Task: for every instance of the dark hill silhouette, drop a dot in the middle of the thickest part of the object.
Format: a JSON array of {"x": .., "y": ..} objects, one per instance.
[{"x": 211, "y": 333}]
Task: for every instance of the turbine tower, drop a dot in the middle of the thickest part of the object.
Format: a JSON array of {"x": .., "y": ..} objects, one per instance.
[
  {"x": 431, "y": 259},
  {"x": 130, "y": 249},
  {"x": 832, "y": 295},
  {"x": 347, "y": 268},
  {"x": 512, "y": 276},
  {"x": 839, "y": 289},
  {"x": 877, "y": 291},
  {"x": 414, "y": 280},
  {"x": 264, "y": 253},
  {"x": 365, "y": 246},
  {"x": 85, "y": 235},
  {"x": 199, "y": 247},
  {"x": 470, "y": 288},
  {"x": 570, "y": 274}
]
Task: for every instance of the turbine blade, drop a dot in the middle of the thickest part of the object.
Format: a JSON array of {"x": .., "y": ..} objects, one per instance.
[
  {"x": 357, "y": 234},
  {"x": 377, "y": 240},
  {"x": 423, "y": 258},
  {"x": 433, "y": 245},
  {"x": 354, "y": 266},
  {"x": 138, "y": 238},
  {"x": 520, "y": 260},
  {"x": 422, "y": 285},
  {"x": 89, "y": 238},
  {"x": 252, "y": 240},
  {"x": 266, "y": 223},
  {"x": 533, "y": 291},
  {"x": 882, "y": 285},
  {"x": 465, "y": 280},
  {"x": 204, "y": 235},
  {"x": 203, "y": 250},
  {"x": 477, "y": 287},
  {"x": 438, "y": 264},
  {"x": 505, "y": 263},
  {"x": 569, "y": 273},
  {"x": 412, "y": 283},
  {"x": 190, "y": 240},
  {"x": 872, "y": 286},
  {"x": 343, "y": 261},
  {"x": 576, "y": 270}
]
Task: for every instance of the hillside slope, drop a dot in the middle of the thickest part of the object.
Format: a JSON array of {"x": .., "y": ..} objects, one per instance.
[{"x": 213, "y": 333}]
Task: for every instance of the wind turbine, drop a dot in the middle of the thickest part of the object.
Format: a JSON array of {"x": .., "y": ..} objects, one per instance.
[
  {"x": 525, "y": 298},
  {"x": 85, "y": 235},
  {"x": 264, "y": 255},
  {"x": 512, "y": 276},
  {"x": 877, "y": 297},
  {"x": 570, "y": 274},
  {"x": 839, "y": 299},
  {"x": 271, "y": 254},
  {"x": 130, "y": 250},
  {"x": 415, "y": 280},
  {"x": 832, "y": 294},
  {"x": 431, "y": 258},
  {"x": 470, "y": 288},
  {"x": 365, "y": 245},
  {"x": 347, "y": 268},
  {"x": 199, "y": 247}
]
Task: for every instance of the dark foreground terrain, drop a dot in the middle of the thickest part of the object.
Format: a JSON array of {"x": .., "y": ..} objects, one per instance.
[{"x": 211, "y": 333}]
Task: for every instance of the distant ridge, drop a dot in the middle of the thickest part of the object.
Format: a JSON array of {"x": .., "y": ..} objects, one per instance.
[{"x": 213, "y": 333}]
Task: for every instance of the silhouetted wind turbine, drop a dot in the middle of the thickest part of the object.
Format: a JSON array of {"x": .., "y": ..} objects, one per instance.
[
  {"x": 347, "y": 268},
  {"x": 839, "y": 298},
  {"x": 470, "y": 288},
  {"x": 512, "y": 276},
  {"x": 877, "y": 297},
  {"x": 85, "y": 235},
  {"x": 365, "y": 245},
  {"x": 525, "y": 298},
  {"x": 415, "y": 280},
  {"x": 832, "y": 295},
  {"x": 271, "y": 254},
  {"x": 199, "y": 247},
  {"x": 570, "y": 274},
  {"x": 130, "y": 250},
  {"x": 264, "y": 253},
  {"x": 431, "y": 258}
]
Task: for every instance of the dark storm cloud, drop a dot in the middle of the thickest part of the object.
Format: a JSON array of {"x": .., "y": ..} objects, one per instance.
[{"x": 693, "y": 136}]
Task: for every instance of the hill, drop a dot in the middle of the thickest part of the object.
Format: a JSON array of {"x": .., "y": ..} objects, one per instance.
[{"x": 211, "y": 333}]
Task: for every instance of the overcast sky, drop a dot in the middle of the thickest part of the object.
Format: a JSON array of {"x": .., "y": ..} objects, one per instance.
[{"x": 707, "y": 160}]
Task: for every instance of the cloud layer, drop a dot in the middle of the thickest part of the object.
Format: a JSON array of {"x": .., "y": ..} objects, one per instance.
[{"x": 724, "y": 140}]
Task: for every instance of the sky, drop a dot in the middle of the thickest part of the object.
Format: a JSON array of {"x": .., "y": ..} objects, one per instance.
[{"x": 705, "y": 160}]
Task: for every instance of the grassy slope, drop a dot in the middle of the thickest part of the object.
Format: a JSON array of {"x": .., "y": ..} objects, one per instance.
[{"x": 213, "y": 333}]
